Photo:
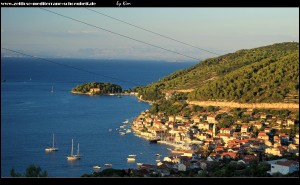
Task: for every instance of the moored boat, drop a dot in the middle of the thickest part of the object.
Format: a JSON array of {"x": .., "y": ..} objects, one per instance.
[
  {"x": 108, "y": 165},
  {"x": 96, "y": 167},
  {"x": 122, "y": 133},
  {"x": 51, "y": 149},
  {"x": 130, "y": 159},
  {"x": 72, "y": 157}
]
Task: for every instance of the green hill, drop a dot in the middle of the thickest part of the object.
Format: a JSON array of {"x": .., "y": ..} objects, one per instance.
[{"x": 264, "y": 74}]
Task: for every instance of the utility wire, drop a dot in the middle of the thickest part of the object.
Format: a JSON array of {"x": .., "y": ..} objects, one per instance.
[
  {"x": 100, "y": 28},
  {"x": 69, "y": 66},
  {"x": 147, "y": 30}
]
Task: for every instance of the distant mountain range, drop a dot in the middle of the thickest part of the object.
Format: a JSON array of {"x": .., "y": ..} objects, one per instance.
[{"x": 265, "y": 74}]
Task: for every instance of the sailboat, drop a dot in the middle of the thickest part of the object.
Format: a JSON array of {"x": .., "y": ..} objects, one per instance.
[
  {"x": 51, "y": 149},
  {"x": 72, "y": 156},
  {"x": 52, "y": 89}
]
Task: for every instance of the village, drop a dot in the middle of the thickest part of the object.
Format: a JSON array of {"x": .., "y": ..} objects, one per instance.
[{"x": 199, "y": 141}]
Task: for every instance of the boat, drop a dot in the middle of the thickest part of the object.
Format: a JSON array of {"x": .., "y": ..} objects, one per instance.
[
  {"x": 110, "y": 130},
  {"x": 126, "y": 121},
  {"x": 72, "y": 156},
  {"x": 96, "y": 167},
  {"x": 130, "y": 159},
  {"x": 128, "y": 131},
  {"x": 52, "y": 90},
  {"x": 157, "y": 155},
  {"x": 131, "y": 155},
  {"x": 122, "y": 133},
  {"x": 51, "y": 149},
  {"x": 139, "y": 164},
  {"x": 108, "y": 165},
  {"x": 157, "y": 160}
]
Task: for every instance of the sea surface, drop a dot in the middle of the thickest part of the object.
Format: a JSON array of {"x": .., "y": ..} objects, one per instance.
[{"x": 31, "y": 113}]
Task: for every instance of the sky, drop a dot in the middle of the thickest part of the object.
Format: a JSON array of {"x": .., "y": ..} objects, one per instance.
[{"x": 218, "y": 30}]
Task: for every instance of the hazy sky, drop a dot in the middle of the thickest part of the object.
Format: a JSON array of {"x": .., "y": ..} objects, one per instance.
[{"x": 219, "y": 30}]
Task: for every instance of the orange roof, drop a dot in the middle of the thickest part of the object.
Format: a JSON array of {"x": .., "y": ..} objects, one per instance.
[
  {"x": 262, "y": 134},
  {"x": 233, "y": 155}
]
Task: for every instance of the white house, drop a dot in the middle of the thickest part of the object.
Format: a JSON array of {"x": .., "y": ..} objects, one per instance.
[{"x": 284, "y": 167}]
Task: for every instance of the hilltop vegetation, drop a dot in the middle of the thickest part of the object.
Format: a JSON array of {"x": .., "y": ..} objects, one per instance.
[
  {"x": 97, "y": 88},
  {"x": 265, "y": 74}
]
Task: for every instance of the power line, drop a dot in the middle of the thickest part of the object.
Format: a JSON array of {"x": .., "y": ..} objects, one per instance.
[
  {"x": 147, "y": 30},
  {"x": 69, "y": 66},
  {"x": 119, "y": 34}
]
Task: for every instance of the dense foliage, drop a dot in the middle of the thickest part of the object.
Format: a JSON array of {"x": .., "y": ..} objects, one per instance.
[
  {"x": 265, "y": 74},
  {"x": 31, "y": 171},
  {"x": 105, "y": 88}
]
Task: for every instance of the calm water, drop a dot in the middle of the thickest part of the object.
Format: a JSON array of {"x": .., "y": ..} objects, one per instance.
[{"x": 30, "y": 113}]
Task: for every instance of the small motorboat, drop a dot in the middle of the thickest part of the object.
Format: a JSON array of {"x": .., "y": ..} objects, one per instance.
[
  {"x": 97, "y": 167},
  {"x": 108, "y": 165}
]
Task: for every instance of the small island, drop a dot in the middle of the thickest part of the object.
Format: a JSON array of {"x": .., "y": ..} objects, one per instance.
[{"x": 97, "y": 88}]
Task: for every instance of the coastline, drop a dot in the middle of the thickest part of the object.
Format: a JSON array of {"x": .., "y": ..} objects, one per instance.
[{"x": 110, "y": 94}]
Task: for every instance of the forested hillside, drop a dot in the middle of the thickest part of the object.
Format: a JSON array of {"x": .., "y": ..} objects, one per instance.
[{"x": 264, "y": 74}]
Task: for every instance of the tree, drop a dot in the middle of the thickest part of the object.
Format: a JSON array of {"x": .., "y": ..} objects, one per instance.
[{"x": 31, "y": 171}]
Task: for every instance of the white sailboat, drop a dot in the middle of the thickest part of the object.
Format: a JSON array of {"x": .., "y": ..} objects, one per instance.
[
  {"x": 51, "y": 149},
  {"x": 52, "y": 90},
  {"x": 72, "y": 156}
]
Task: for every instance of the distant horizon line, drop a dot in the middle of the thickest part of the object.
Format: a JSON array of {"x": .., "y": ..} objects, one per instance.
[{"x": 106, "y": 59}]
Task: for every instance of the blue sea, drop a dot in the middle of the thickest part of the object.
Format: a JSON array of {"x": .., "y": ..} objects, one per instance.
[{"x": 31, "y": 113}]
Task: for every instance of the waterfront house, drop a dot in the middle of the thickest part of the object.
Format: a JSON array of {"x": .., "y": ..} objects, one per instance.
[{"x": 189, "y": 153}]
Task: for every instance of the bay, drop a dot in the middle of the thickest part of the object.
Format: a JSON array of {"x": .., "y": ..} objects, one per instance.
[{"x": 31, "y": 113}]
